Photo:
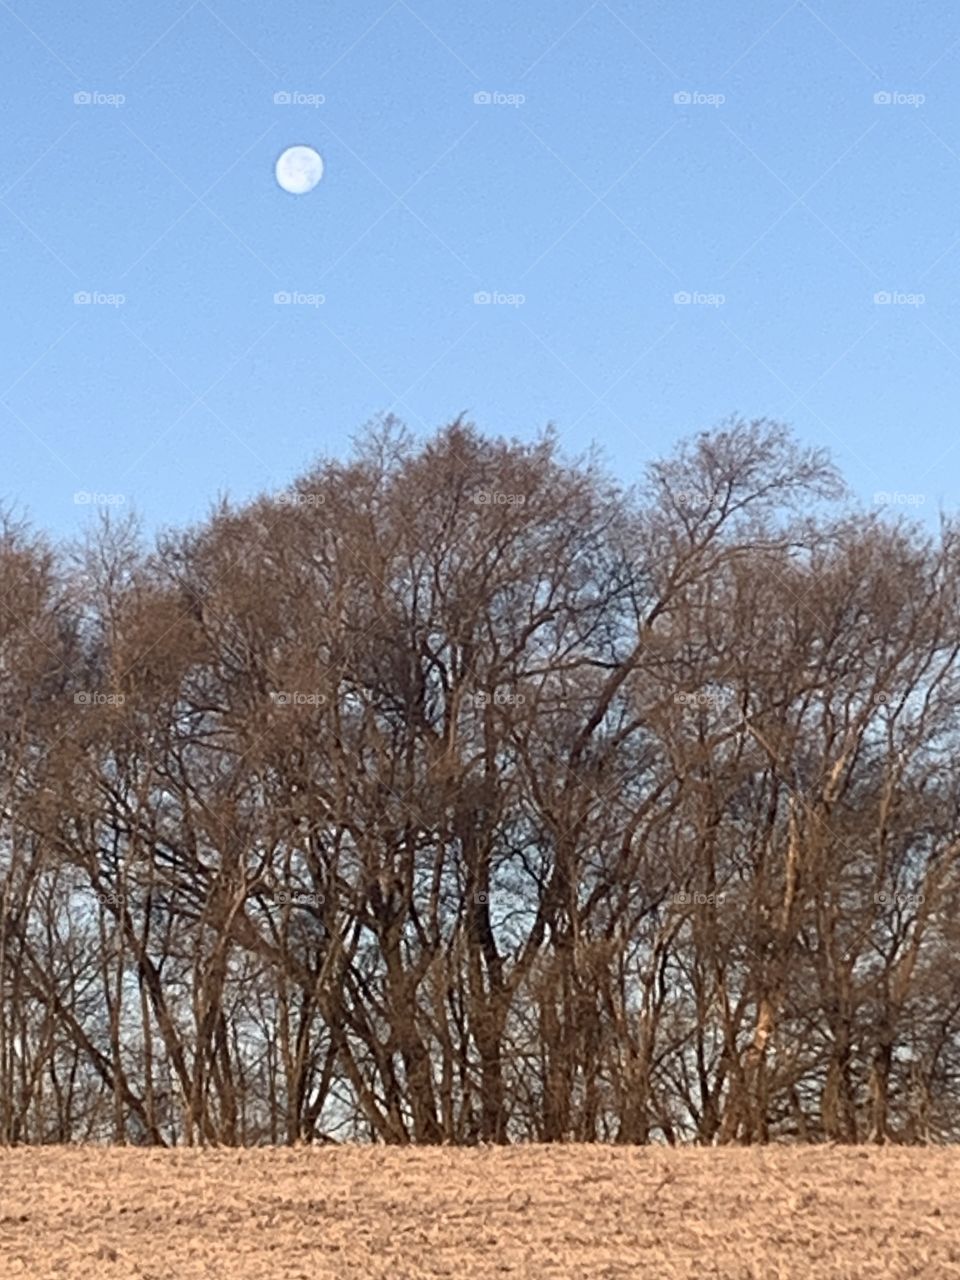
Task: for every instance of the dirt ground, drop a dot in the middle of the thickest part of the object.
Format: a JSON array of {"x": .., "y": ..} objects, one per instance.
[{"x": 588, "y": 1213}]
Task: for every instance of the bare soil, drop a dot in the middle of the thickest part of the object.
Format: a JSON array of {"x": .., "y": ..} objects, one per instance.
[{"x": 545, "y": 1213}]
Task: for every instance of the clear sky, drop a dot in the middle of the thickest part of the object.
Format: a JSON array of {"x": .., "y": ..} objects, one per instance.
[{"x": 583, "y": 195}]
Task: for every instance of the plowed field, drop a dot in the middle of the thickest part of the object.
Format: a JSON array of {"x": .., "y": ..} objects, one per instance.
[{"x": 540, "y": 1212}]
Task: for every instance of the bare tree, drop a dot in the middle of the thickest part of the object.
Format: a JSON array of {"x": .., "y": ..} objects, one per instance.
[{"x": 460, "y": 793}]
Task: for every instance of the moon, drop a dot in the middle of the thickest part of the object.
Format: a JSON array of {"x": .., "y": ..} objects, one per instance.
[{"x": 299, "y": 169}]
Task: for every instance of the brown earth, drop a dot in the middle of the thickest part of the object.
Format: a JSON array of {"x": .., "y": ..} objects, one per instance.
[{"x": 540, "y": 1212}]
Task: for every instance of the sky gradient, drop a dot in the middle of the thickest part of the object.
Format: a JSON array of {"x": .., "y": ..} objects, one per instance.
[{"x": 584, "y": 166}]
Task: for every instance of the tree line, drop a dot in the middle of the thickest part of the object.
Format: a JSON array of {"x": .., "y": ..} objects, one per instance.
[{"x": 464, "y": 793}]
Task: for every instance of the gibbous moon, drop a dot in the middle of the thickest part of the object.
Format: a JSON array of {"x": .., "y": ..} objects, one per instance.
[{"x": 299, "y": 169}]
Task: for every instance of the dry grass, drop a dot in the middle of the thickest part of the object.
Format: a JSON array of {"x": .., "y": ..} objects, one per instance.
[{"x": 538, "y": 1212}]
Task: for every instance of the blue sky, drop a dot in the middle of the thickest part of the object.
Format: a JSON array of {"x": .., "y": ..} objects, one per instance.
[{"x": 779, "y": 194}]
